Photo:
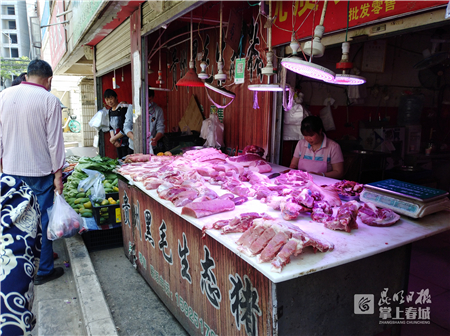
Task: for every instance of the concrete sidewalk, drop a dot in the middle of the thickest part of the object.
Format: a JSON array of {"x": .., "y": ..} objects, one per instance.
[{"x": 73, "y": 304}]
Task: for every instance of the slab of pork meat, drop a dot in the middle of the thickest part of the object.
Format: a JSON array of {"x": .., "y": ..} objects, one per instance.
[
  {"x": 138, "y": 158},
  {"x": 321, "y": 212},
  {"x": 215, "y": 225},
  {"x": 291, "y": 210},
  {"x": 284, "y": 256},
  {"x": 305, "y": 198},
  {"x": 242, "y": 191},
  {"x": 262, "y": 192},
  {"x": 152, "y": 183},
  {"x": 258, "y": 227},
  {"x": 240, "y": 200},
  {"x": 228, "y": 167},
  {"x": 208, "y": 193},
  {"x": 348, "y": 188},
  {"x": 241, "y": 224},
  {"x": 345, "y": 219},
  {"x": 273, "y": 246},
  {"x": 206, "y": 154},
  {"x": 253, "y": 149},
  {"x": 207, "y": 208},
  {"x": 244, "y": 160},
  {"x": 255, "y": 178},
  {"x": 260, "y": 166},
  {"x": 228, "y": 196},
  {"x": 171, "y": 192},
  {"x": 371, "y": 215},
  {"x": 164, "y": 187},
  {"x": 258, "y": 245},
  {"x": 184, "y": 197},
  {"x": 275, "y": 201},
  {"x": 205, "y": 170},
  {"x": 295, "y": 246}
]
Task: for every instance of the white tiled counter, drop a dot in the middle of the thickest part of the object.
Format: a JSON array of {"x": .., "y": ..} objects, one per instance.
[{"x": 364, "y": 261}]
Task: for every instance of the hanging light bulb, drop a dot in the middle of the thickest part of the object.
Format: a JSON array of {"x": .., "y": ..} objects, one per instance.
[
  {"x": 159, "y": 81},
  {"x": 345, "y": 65},
  {"x": 203, "y": 74},
  {"x": 268, "y": 69},
  {"x": 314, "y": 48},
  {"x": 308, "y": 69},
  {"x": 345, "y": 78},
  {"x": 190, "y": 78},
  {"x": 114, "y": 83},
  {"x": 220, "y": 76}
]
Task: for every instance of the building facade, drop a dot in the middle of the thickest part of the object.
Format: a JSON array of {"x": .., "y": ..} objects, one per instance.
[{"x": 15, "y": 40}]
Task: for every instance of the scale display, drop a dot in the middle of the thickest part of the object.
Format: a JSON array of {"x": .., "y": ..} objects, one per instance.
[
  {"x": 408, "y": 190},
  {"x": 405, "y": 198}
]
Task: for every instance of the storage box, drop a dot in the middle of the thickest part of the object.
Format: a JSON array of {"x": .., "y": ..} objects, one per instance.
[
  {"x": 113, "y": 211},
  {"x": 103, "y": 239}
]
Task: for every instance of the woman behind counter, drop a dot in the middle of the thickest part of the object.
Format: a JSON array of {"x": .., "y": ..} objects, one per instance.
[{"x": 317, "y": 154}]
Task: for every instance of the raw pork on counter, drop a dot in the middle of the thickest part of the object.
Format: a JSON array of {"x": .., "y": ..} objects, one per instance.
[
  {"x": 207, "y": 208},
  {"x": 371, "y": 215},
  {"x": 268, "y": 239}
]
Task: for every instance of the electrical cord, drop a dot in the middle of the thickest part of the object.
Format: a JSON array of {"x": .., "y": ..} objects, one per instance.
[{"x": 348, "y": 16}]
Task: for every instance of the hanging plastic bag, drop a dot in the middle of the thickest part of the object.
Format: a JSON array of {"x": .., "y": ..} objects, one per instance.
[
  {"x": 105, "y": 120},
  {"x": 212, "y": 131},
  {"x": 89, "y": 181},
  {"x": 292, "y": 119},
  {"x": 327, "y": 116},
  {"x": 97, "y": 191},
  {"x": 100, "y": 120},
  {"x": 64, "y": 222},
  {"x": 96, "y": 120}
]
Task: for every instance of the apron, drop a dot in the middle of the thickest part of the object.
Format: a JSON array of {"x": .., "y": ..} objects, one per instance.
[{"x": 312, "y": 165}]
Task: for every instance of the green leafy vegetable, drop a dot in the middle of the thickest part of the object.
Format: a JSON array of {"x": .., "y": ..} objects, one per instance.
[{"x": 99, "y": 163}]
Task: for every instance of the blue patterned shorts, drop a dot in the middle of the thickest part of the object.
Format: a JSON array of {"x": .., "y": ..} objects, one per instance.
[{"x": 20, "y": 241}]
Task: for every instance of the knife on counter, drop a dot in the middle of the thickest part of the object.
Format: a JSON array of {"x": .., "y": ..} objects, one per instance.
[{"x": 271, "y": 176}]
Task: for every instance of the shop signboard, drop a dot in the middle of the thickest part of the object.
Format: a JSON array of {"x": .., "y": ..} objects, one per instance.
[
  {"x": 57, "y": 34},
  {"x": 302, "y": 16},
  {"x": 209, "y": 289},
  {"x": 83, "y": 13}
]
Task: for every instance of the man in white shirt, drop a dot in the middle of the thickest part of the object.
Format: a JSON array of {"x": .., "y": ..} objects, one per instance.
[{"x": 32, "y": 147}]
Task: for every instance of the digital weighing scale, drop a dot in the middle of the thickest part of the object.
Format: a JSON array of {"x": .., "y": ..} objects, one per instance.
[{"x": 405, "y": 198}]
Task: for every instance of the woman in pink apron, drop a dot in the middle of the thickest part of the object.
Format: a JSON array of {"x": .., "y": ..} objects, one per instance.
[{"x": 316, "y": 154}]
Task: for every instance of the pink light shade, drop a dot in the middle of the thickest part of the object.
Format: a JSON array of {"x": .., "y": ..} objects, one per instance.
[
  {"x": 220, "y": 90},
  {"x": 346, "y": 79},
  {"x": 308, "y": 69},
  {"x": 265, "y": 87},
  {"x": 190, "y": 79}
]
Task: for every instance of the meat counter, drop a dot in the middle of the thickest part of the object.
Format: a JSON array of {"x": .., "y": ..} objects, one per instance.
[{"x": 214, "y": 289}]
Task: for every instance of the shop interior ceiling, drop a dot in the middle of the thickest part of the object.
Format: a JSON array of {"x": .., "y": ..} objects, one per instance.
[
  {"x": 244, "y": 123},
  {"x": 204, "y": 17}
]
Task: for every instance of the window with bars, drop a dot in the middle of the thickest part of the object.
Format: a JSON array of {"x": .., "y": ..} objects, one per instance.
[
  {"x": 12, "y": 24},
  {"x": 10, "y": 10},
  {"x": 14, "y": 52}
]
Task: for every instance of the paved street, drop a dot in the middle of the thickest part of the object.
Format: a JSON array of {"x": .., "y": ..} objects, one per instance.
[{"x": 135, "y": 308}]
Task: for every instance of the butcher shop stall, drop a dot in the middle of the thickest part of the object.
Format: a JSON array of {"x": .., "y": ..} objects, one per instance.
[{"x": 232, "y": 240}]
